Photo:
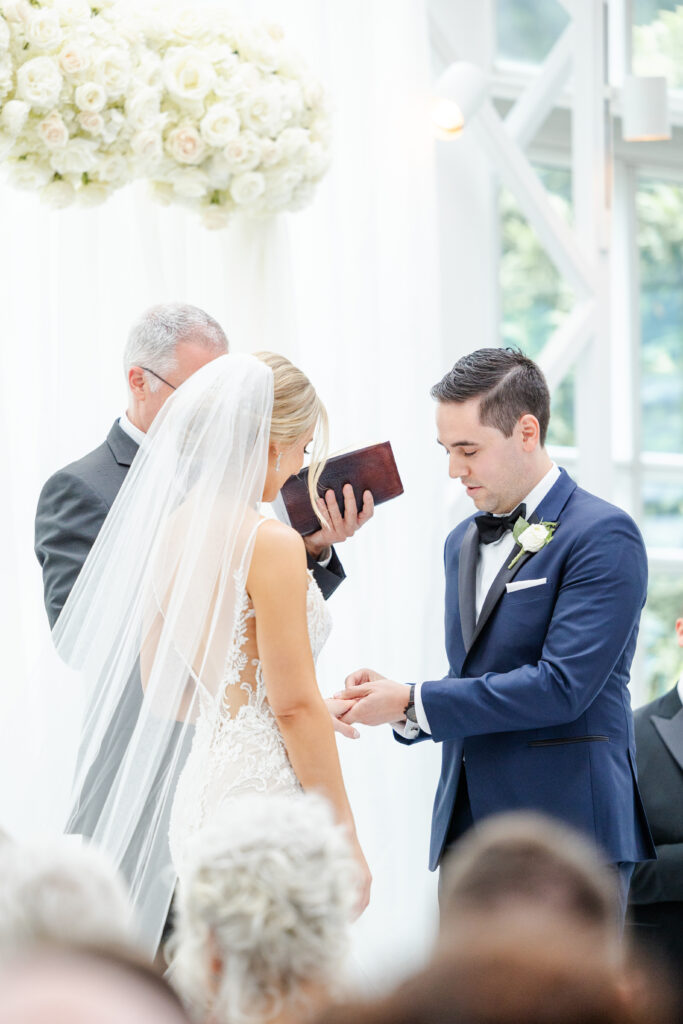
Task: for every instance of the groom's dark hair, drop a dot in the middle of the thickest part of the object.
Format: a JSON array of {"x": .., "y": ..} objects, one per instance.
[{"x": 508, "y": 383}]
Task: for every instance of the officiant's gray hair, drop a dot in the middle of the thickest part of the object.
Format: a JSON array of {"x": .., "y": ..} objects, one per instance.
[
  {"x": 508, "y": 383},
  {"x": 153, "y": 339}
]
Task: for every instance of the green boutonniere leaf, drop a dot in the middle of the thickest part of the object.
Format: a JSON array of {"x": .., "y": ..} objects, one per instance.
[
  {"x": 542, "y": 535},
  {"x": 519, "y": 527}
]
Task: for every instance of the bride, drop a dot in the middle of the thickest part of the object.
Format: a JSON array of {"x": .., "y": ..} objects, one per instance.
[{"x": 208, "y": 609}]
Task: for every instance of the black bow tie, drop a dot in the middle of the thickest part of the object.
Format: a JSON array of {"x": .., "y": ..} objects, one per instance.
[{"x": 493, "y": 527}]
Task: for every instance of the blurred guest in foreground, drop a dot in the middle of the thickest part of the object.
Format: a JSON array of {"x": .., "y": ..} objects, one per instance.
[
  {"x": 71, "y": 986},
  {"x": 656, "y": 896},
  {"x": 524, "y": 861},
  {"x": 517, "y": 967},
  {"x": 264, "y": 902},
  {"x": 60, "y": 893}
]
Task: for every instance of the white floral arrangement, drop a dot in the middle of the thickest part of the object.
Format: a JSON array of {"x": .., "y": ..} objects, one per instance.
[
  {"x": 65, "y": 71},
  {"x": 217, "y": 115}
]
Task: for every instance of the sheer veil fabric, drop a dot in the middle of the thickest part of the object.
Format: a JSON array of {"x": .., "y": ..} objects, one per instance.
[{"x": 149, "y": 624}]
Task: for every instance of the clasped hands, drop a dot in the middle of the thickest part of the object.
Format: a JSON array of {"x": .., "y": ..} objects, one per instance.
[{"x": 368, "y": 699}]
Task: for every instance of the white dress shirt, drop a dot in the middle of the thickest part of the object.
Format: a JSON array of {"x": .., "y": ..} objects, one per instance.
[
  {"x": 490, "y": 562},
  {"x": 680, "y": 689},
  {"x": 129, "y": 428}
]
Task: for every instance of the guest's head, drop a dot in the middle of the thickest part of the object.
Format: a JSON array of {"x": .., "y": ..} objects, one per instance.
[
  {"x": 166, "y": 345},
  {"x": 264, "y": 902},
  {"x": 519, "y": 967},
  {"x": 299, "y": 420},
  {"x": 492, "y": 419},
  {"x": 60, "y": 893},
  {"x": 526, "y": 862},
  {"x": 71, "y": 986}
]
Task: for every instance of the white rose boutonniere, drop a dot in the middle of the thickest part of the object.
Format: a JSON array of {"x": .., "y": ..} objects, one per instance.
[{"x": 531, "y": 538}]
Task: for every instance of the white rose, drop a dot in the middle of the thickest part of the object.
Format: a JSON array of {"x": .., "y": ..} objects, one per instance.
[
  {"x": 4, "y": 35},
  {"x": 91, "y": 97},
  {"x": 58, "y": 194},
  {"x": 93, "y": 194},
  {"x": 302, "y": 196},
  {"x": 114, "y": 122},
  {"x": 260, "y": 48},
  {"x": 218, "y": 171},
  {"x": 190, "y": 183},
  {"x": 6, "y": 143},
  {"x": 148, "y": 70},
  {"x": 185, "y": 145},
  {"x": 113, "y": 169},
  {"x": 294, "y": 142},
  {"x": 215, "y": 216},
  {"x": 147, "y": 148},
  {"x": 187, "y": 73},
  {"x": 72, "y": 10},
  {"x": 114, "y": 70},
  {"x": 39, "y": 82},
  {"x": 533, "y": 538},
  {"x": 220, "y": 124},
  {"x": 30, "y": 173},
  {"x": 6, "y": 70},
  {"x": 142, "y": 108},
  {"x": 16, "y": 10},
  {"x": 53, "y": 131},
  {"x": 271, "y": 152},
  {"x": 93, "y": 123},
  {"x": 74, "y": 58},
  {"x": 79, "y": 156},
  {"x": 313, "y": 92},
  {"x": 13, "y": 116},
  {"x": 243, "y": 153},
  {"x": 247, "y": 188},
  {"x": 43, "y": 30},
  {"x": 188, "y": 24},
  {"x": 280, "y": 185},
  {"x": 317, "y": 161},
  {"x": 262, "y": 111}
]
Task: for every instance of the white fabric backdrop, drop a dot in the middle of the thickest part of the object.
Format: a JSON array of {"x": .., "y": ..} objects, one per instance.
[{"x": 349, "y": 290}]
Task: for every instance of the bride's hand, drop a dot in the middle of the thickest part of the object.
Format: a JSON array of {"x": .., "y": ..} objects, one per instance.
[
  {"x": 337, "y": 708},
  {"x": 365, "y": 880}
]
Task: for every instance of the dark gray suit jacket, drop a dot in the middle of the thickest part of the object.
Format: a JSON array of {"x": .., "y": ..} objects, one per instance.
[
  {"x": 656, "y": 895},
  {"x": 73, "y": 505}
]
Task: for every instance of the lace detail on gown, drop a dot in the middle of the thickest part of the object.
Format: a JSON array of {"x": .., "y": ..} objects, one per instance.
[{"x": 237, "y": 746}]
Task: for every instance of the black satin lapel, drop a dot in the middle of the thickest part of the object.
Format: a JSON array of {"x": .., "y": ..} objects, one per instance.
[
  {"x": 671, "y": 732},
  {"x": 497, "y": 588},
  {"x": 467, "y": 584}
]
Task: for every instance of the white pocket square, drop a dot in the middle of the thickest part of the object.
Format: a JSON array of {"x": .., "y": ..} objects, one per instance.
[{"x": 524, "y": 584}]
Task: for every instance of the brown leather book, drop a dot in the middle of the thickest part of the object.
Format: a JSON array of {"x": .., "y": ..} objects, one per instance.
[{"x": 367, "y": 469}]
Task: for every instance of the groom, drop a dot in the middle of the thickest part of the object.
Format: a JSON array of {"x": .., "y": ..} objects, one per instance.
[{"x": 544, "y": 592}]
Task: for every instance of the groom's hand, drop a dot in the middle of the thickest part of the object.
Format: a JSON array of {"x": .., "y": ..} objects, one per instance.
[
  {"x": 340, "y": 527},
  {"x": 377, "y": 701}
]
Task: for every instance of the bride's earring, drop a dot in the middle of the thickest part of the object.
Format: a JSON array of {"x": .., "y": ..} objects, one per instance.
[{"x": 277, "y": 462}]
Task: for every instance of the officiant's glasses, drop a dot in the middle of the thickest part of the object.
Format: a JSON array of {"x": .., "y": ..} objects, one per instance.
[{"x": 158, "y": 377}]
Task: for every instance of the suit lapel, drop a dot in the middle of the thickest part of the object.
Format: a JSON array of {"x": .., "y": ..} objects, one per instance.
[
  {"x": 671, "y": 733},
  {"x": 467, "y": 583},
  {"x": 123, "y": 447},
  {"x": 548, "y": 510}
]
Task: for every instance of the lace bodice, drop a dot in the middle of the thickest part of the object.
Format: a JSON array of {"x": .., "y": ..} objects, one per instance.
[{"x": 237, "y": 746}]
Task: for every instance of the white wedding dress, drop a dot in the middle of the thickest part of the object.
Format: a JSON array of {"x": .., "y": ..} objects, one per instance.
[{"x": 237, "y": 746}]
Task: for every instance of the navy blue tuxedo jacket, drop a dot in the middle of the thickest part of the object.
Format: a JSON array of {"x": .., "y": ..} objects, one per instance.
[{"x": 536, "y": 695}]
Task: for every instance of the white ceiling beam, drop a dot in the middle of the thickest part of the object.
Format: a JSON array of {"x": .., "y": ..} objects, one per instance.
[
  {"x": 567, "y": 343},
  {"x": 516, "y": 172},
  {"x": 539, "y": 98}
]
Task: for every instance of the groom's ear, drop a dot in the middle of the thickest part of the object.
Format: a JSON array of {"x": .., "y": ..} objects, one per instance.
[{"x": 530, "y": 432}]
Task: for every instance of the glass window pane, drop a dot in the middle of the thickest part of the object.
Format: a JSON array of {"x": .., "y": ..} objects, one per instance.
[
  {"x": 658, "y": 40},
  {"x": 527, "y": 29},
  {"x": 535, "y": 299},
  {"x": 663, "y": 513},
  {"x": 660, "y": 239},
  {"x": 662, "y": 661}
]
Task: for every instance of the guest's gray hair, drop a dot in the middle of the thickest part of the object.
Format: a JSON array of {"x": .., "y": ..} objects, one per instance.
[
  {"x": 269, "y": 888},
  {"x": 153, "y": 340},
  {"x": 59, "y": 894}
]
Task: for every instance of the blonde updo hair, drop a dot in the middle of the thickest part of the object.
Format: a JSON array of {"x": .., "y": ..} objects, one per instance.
[{"x": 297, "y": 410}]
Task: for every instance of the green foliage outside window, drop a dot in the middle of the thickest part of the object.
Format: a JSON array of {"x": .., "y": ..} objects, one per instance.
[
  {"x": 658, "y": 46},
  {"x": 663, "y": 656}
]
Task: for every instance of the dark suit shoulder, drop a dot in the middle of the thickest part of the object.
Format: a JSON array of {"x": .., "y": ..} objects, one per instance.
[
  {"x": 666, "y": 706},
  {"x": 97, "y": 471},
  {"x": 590, "y": 509}
]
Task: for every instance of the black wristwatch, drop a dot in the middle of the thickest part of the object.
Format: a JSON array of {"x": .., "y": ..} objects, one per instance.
[{"x": 410, "y": 707}]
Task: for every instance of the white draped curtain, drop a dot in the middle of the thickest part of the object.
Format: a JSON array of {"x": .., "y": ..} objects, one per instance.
[{"x": 348, "y": 289}]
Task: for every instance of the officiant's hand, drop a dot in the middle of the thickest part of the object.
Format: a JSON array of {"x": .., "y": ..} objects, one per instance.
[
  {"x": 377, "y": 701},
  {"x": 338, "y": 708},
  {"x": 340, "y": 527}
]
